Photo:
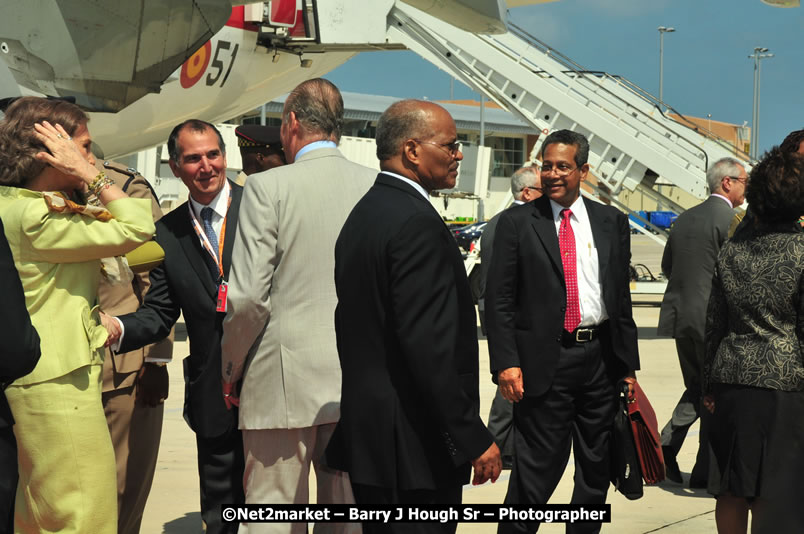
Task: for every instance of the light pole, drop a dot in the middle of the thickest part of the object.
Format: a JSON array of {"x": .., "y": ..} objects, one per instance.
[
  {"x": 759, "y": 54},
  {"x": 662, "y": 31}
]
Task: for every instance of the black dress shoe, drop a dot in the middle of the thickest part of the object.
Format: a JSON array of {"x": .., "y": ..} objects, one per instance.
[
  {"x": 671, "y": 469},
  {"x": 696, "y": 483},
  {"x": 699, "y": 477}
]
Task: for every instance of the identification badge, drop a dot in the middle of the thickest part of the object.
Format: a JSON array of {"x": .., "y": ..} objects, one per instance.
[{"x": 223, "y": 289}]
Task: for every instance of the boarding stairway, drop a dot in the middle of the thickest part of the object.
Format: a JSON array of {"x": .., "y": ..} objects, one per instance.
[{"x": 632, "y": 142}]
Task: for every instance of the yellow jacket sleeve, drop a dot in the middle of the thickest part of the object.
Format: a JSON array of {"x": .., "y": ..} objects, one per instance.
[{"x": 71, "y": 237}]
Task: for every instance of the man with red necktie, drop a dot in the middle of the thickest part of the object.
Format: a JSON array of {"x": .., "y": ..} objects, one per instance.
[{"x": 561, "y": 331}]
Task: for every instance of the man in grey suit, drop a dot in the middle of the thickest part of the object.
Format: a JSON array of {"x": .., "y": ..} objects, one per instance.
[
  {"x": 689, "y": 262},
  {"x": 279, "y": 331},
  {"x": 526, "y": 185}
]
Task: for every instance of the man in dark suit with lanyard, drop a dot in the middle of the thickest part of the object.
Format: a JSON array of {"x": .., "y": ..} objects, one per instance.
[
  {"x": 561, "y": 331},
  {"x": 197, "y": 238}
]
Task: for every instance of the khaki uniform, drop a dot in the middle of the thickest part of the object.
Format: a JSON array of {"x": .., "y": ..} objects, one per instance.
[{"x": 134, "y": 427}]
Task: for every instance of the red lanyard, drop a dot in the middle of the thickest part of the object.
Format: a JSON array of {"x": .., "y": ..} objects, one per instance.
[{"x": 203, "y": 236}]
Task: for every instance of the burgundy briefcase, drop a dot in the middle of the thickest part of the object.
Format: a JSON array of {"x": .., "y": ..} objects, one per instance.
[{"x": 646, "y": 437}]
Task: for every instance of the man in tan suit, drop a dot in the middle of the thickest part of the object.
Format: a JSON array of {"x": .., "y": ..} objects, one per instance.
[
  {"x": 279, "y": 325},
  {"x": 135, "y": 384}
]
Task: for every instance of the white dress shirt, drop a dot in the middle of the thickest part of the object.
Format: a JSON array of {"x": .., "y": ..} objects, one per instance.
[{"x": 590, "y": 292}]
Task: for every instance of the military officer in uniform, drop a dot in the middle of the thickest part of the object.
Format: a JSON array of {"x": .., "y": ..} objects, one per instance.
[
  {"x": 260, "y": 148},
  {"x": 135, "y": 384}
]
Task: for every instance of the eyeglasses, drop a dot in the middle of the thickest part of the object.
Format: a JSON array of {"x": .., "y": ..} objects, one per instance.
[
  {"x": 562, "y": 169},
  {"x": 738, "y": 179},
  {"x": 531, "y": 187},
  {"x": 452, "y": 148}
]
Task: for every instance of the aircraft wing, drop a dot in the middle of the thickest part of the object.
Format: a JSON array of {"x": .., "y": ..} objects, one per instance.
[{"x": 104, "y": 54}]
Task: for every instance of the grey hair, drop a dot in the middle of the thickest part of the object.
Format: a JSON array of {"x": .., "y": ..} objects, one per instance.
[
  {"x": 403, "y": 120},
  {"x": 525, "y": 177},
  {"x": 719, "y": 170},
  {"x": 318, "y": 106}
]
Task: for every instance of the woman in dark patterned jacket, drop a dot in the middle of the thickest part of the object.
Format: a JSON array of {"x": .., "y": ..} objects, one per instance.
[{"x": 754, "y": 370}]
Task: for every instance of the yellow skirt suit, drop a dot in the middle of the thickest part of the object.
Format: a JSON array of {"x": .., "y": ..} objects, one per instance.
[{"x": 66, "y": 461}]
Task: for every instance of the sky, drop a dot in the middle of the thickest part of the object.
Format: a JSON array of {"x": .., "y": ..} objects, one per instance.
[{"x": 706, "y": 64}]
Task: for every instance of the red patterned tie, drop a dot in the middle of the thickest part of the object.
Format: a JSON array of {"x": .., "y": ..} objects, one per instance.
[{"x": 566, "y": 242}]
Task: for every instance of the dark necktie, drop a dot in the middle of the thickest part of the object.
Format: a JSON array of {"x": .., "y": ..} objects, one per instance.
[
  {"x": 566, "y": 242},
  {"x": 206, "y": 218}
]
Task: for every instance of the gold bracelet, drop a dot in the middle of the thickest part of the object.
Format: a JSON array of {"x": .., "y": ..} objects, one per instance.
[
  {"x": 100, "y": 183},
  {"x": 94, "y": 183}
]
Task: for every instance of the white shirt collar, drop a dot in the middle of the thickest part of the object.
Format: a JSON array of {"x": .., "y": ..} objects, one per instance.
[
  {"x": 415, "y": 185},
  {"x": 219, "y": 204},
  {"x": 578, "y": 209}
]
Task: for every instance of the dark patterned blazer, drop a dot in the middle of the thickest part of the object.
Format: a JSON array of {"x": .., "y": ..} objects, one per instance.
[{"x": 755, "y": 319}]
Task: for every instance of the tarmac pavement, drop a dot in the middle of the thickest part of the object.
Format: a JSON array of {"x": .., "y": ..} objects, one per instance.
[{"x": 173, "y": 505}]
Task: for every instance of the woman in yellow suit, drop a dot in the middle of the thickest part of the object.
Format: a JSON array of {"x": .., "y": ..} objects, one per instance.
[{"x": 66, "y": 461}]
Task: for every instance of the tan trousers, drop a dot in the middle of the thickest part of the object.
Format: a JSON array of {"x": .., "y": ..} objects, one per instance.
[
  {"x": 136, "y": 430},
  {"x": 278, "y": 470}
]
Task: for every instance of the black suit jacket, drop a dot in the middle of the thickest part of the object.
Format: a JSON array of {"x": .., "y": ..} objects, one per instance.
[
  {"x": 407, "y": 342},
  {"x": 184, "y": 284},
  {"x": 486, "y": 247},
  {"x": 18, "y": 357},
  {"x": 526, "y": 293}
]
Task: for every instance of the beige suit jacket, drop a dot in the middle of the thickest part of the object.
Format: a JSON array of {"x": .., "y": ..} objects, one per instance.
[
  {"x": 279, "y": 331},
  {"x": 119, "y": 370}
]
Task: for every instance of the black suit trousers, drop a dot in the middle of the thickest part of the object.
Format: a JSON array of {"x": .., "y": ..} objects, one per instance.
[
  {"x": 501, "y": 425},
  {"x": 577, "y": 410},
  {"x": 690, "y": 408},
  {"x": 372, "y": 495},
  {"x": 220, "y": 469}
]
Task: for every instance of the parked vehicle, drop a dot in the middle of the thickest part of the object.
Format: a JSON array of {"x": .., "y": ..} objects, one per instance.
[{"x": 464, "y": 236}]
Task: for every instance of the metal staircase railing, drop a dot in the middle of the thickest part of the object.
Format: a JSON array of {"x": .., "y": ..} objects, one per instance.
[
  {"x": 654, "y": 103},
  {"x": 628, "y": 132}
]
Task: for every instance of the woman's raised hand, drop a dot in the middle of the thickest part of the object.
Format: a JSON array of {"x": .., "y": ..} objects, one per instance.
[{"x": 65, "y": 155}]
